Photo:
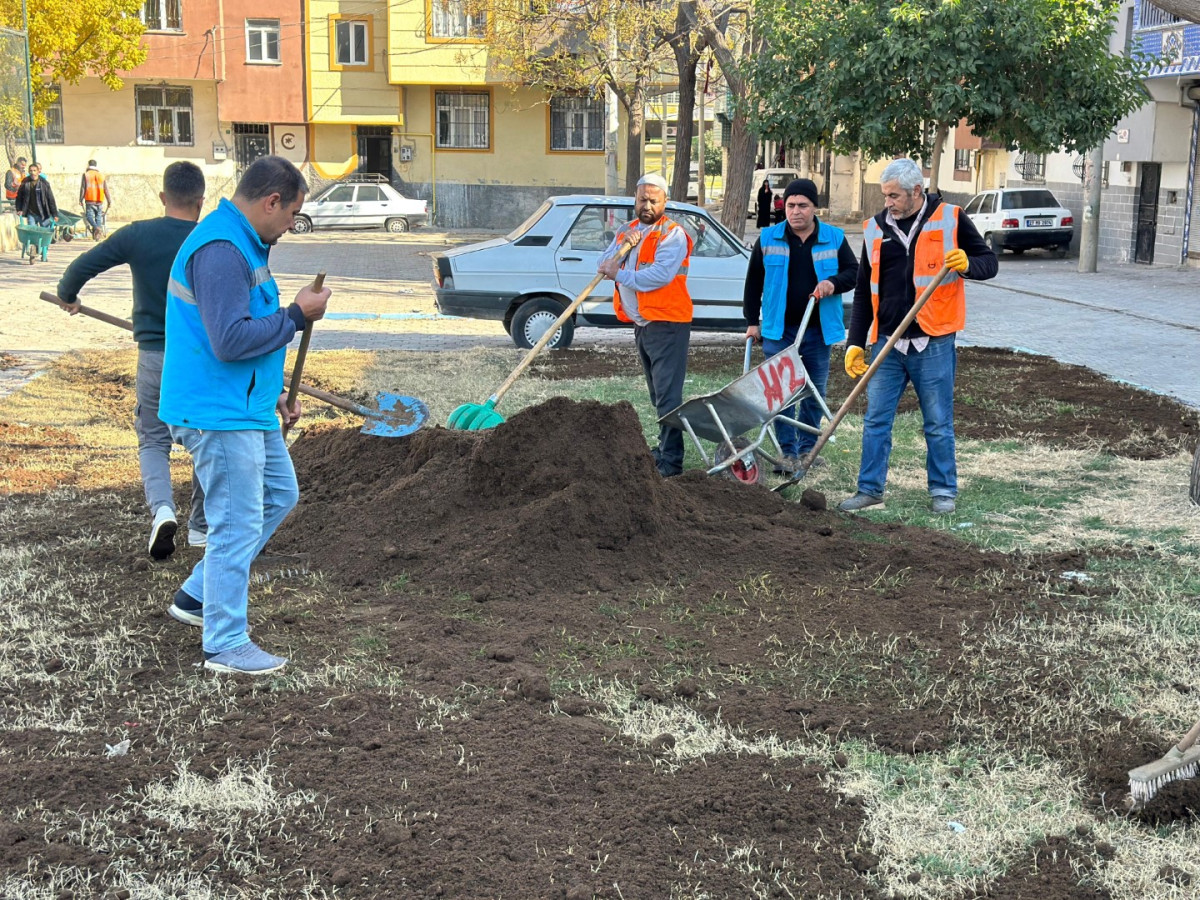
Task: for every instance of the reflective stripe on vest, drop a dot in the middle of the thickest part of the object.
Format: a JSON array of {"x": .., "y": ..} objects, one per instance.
[
  {"x": 94, "y": 193},
  {"x": 946, "y": 309},
  {"x": 671, "y": 302},
  {"x": 776, "y": 259}
]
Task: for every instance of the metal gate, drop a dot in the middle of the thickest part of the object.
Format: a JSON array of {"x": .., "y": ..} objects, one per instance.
[
  {"x": 375, "y": 150},
  {"x": 1147, "y": 212},
  {"x": 250, "y": 141}
]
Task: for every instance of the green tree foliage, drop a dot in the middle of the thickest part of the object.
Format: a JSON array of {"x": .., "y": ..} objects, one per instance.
[
  {"x": 891, "y": 79},
  {"x": 68, "y": 39}
]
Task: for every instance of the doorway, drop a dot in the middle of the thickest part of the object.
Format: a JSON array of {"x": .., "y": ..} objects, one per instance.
[
  {"x": 250, "y": 141},
  {"x": 1147, "y": 213},
  {"x": 375, "y": 150}
]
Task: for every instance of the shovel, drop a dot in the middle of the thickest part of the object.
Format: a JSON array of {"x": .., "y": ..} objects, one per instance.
[
  {"x": 318, "y": 283},
  {"x": 478, "y": 417},
  {"x": 397, "y": 415},
  {"x": 827, "y": 433}
]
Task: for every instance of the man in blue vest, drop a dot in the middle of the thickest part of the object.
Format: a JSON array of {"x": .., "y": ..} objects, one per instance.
[
  {"x": 798, "y": 258},
  {"x": 222, "y": 387}
]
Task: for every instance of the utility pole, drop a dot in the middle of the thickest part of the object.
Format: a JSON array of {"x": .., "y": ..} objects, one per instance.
[
  {"x": 1089, "y": 234},
  {"x": 29, "y": 86}
]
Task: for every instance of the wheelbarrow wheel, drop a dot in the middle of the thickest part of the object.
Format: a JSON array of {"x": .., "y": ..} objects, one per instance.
[{"x": 740, "y": 471}]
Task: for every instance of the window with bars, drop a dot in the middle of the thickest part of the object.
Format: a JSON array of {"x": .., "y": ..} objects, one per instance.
[
  {"x": 1031, "y": 166},
  {"x": 52, "y": 131},
  {"x": 164, "y": 115},
  {"x": 962, "y": 159},
  {"x": 462, "y": 120},
  {"x": 350, "y": 37},
  {"x": 457, "y": 19},
  {"x": 163, "y": 15},
  {"x": 576, "y": 123},
  {"x": 262, "y": 40}
]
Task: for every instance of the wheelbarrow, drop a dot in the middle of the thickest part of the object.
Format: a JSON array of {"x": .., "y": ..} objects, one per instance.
[
  {"x": 34, "y": 240},
  {"x": 69, "y": 227},
  {"x": 740, "y": 418}
]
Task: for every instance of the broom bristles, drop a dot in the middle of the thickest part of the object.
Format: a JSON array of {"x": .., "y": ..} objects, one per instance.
[{"x": 1146, "y": 781}]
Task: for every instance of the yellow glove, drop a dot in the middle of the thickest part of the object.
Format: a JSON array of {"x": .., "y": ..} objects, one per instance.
[
  {"x": 957, "y": 260},
  {"x": 856, "y": 363}
]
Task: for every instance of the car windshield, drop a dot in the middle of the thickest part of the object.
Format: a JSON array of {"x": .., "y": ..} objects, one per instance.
[
  {"x": 519, "y": 232},
  {"x": 1028, "y": 200}
]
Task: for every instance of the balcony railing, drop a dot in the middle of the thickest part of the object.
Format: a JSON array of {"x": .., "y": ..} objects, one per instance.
[{"x": 1150, "y": 16}]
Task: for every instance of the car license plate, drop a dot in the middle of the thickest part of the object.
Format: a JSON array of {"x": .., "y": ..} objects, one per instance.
[{"x": 1039, "y": 223}]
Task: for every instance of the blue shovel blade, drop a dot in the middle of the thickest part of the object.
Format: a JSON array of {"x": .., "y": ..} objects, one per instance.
[{"x": 397, "y": 416}]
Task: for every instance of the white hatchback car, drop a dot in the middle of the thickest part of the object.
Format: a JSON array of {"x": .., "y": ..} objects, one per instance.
[
  {"x": 361, "y": 201},
  {"x": 527, "y": 278},
  {"x": 1018, "y": 219},
  {"x": 779, "y": 178}
]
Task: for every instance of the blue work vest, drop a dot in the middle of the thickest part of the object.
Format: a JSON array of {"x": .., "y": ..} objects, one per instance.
[
  {"x": 776, "y": 253},
  {"x": 198, "y": 390}
]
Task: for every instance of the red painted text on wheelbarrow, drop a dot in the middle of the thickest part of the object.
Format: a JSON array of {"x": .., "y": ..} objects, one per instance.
[{"x": 780, "y": 382}]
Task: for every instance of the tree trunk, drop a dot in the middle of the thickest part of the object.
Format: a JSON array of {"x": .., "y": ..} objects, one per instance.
[
  {"x": 633, "y": 138},
  {"x": 739, "y": 172},
  {"x": 1194, "y": 493},
  {"x": 939, "y": 143},
  {"x": 685, "y": 62}
]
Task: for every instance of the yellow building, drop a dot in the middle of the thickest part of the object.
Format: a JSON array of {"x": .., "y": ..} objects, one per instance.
[{"x": 404, "y": 90}]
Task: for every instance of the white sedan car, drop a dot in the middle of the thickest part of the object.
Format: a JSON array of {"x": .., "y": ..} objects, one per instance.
[
  {"x": 527, "y": 278},
  {"x": 1020, "y": 219},
  {"x": 360, "y": 202}
]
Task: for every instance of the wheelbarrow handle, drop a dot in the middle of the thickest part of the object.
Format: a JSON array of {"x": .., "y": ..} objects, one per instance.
[{"x": 86, "y": 310}]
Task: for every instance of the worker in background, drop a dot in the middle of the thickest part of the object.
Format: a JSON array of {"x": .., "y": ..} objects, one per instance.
[{"x": 95, "y": 198}]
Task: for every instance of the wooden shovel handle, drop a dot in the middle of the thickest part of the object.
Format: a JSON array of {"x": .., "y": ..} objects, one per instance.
[
  {"x": 298, "y": 370},
  {"x": 549, "y": 335},
  {"x": 86, "y": 310},
  {"x": 824, "y": 436},
  {"x": 335, "y": 400}
]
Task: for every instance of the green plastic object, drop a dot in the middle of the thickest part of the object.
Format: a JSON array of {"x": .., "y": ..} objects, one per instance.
[{"x": 475, "y": 416}]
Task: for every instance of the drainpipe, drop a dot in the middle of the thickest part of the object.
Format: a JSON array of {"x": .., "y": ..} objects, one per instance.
[{"x": 1193, "y": 94}]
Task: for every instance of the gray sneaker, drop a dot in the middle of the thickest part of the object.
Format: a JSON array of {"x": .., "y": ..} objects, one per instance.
[
  {"x": 859, "y": 501},
  {"x": 197, "y": 538},
  {"x": 942, "y": 506},
  {"x": 248, "y": 659}
]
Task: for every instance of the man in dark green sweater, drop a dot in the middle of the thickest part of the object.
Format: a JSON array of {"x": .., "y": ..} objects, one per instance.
[{"x": 148, "y": 247}]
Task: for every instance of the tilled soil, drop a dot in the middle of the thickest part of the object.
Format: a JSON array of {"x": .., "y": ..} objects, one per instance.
[{"x": 499, "y": 581}]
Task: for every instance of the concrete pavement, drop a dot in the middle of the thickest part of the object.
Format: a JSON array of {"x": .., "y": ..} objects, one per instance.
[{"x": 1133, "y": 323}]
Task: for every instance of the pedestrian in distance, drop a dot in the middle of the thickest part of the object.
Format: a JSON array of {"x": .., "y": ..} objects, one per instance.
[
  {"x": 222, "y": 388},
  {"x": 904, "y": 247},
  {"x": 148, "y": 247},
  {"x": 764, "y": 201},
  {"x": 799, "y": 258},
  {"x": 35, "y": 199},
  {"x": 13, "y": 178},
  {"x": 96, "y": 199},
  {"x": 651, "y": 292}
]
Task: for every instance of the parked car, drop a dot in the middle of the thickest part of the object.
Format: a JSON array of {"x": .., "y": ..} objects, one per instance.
[
  {"x": 779, "y": 178},
  {"x": 1017, "y": 219},
  {"x": 361, "y": 201},
  {"x": 527, "y": 278}
]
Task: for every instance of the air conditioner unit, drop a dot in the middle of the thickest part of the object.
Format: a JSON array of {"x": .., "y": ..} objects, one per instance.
[{"x": 671, "y": 131}]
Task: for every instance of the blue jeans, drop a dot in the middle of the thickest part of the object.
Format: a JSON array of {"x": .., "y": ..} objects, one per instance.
[
  {"x": 93, "y": 214},
  {"x": 47, "y": 222},
  {"x": 249, "y": 488},
  {"x": 932, "y": 375},
  {"x": 814, "y": 353}
]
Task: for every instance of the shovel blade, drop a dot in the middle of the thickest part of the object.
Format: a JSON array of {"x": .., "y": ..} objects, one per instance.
[
  {"x": 397, "y": 416},
  {"x": 475, "y": 417}
]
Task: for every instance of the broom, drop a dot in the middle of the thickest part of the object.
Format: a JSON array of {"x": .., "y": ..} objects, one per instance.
[{"x": 1181, "y": 762}]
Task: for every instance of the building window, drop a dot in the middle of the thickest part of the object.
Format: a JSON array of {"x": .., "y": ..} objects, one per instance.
[
  {"x": 164, "y": 115},
  {"x": 462, "y": 120},
  {"x": 350, "y": 42},
  {"x": 52, "y": 131},
  {"x": 262, "y": 40},
  {"x": 163, "y": 15},
  {"x": 576, "y": 123},
  {"x": 457, "y": 19},
  {"x": 962, "y": 160},
  {"x": 1031, "y": 166}
]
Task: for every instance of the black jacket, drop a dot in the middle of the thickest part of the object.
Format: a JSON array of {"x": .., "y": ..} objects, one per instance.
[
  {"x": 35, "y": 198},
  {"x": 897, "y": 294}
]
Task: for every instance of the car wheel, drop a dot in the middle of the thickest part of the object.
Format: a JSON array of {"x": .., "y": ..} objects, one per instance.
[
  {"x": 992, "y": 244},
  {"x": 1061, "y": 251},
  {"x": 534, "y": 317},
  {"x": 302, "y": 225},
  {"x": 396, "y": 226},
  {"x": 1017, "y": 251}
]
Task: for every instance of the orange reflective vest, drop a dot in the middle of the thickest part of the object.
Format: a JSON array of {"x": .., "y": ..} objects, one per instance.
[
  {"x": 10, "y": 193},
  {"x": 671, "y": 302},
  {"x": 946, "y": 309},
  {"x": 93, "y": 191}
]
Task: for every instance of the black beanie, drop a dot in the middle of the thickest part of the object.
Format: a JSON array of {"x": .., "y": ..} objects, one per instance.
[{"x": 802, "y": 186}]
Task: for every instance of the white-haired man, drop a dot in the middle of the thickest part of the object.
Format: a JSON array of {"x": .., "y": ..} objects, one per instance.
[
  {"x": 903, "y": 248},
  {"x": 651, "y": 292}
]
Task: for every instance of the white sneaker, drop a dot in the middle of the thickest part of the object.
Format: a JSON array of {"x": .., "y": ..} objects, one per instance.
[
  {"x": 162, "y": 533},
  {"x": 197, "y": 538}
]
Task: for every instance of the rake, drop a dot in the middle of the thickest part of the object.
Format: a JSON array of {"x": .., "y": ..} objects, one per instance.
[{"x": 1181, "y": 763}]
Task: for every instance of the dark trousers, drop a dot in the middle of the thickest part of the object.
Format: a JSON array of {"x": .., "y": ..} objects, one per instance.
[{"x": 663, "y": 348}]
